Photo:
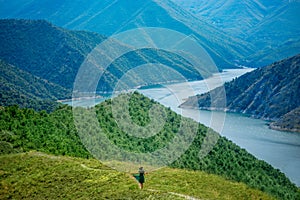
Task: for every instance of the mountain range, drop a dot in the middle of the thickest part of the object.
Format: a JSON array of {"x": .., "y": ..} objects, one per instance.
[
  {"x": 55, "y": 54},
  {"x": 271, "y": 92},
  {"x": 271, "y": 26},
  {"x": 38, "y": 50},
  {"x": 109, "y": 17}
]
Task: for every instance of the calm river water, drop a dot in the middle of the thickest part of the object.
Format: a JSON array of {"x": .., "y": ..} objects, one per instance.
[{"x": 280, "y": 149}]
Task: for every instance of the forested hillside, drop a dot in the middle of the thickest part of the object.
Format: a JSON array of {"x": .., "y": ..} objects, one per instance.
[
  {"x": 44, "y": 50},
  {"x": 55, "y": 133},
  {"x": 250, "y": 33},
  {"x": 269, "y": 92},
  {"x": 54, "y": 55},
  {"x": 21, "y": 88}
]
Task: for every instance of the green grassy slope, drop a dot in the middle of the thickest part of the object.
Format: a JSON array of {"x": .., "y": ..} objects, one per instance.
[{"x": 36, "y": 175}]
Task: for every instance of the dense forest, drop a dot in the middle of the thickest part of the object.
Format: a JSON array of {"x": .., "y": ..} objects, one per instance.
[
  {"x": 55, "y": 133},
  {"x": 18, "y": 87},
  {"x": 44, "y": 50}
]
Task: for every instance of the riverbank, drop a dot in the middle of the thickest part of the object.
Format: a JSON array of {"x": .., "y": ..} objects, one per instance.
[{"x": 80, "y": 99}]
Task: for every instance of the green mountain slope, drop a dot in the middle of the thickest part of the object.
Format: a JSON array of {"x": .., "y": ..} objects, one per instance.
[
  {"x": 109, "y": 17},
  {"x": 44, "y": 50},
  {"x": 227, "y": 15},
  {"x": 268, "y": 25},
  {"x": 41, "y": 176},
  {"x": 36, "y": 175},
  {"x": 268, "y": 92},
  {"x": 55, "y": 54},
  {"x": 55, "y": 133},
  {"x": 21, "y": 88},
  {"x": 270, "y": 38},
  {"x": 233, "y": 32}
]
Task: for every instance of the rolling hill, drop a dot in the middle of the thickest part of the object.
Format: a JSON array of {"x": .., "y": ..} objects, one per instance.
[
  {"x": 269, "y": 92},
  {"x": 23, "y": 130},
  {"x": 36, "y": 175},
  {"x": 109, "y": 17}
]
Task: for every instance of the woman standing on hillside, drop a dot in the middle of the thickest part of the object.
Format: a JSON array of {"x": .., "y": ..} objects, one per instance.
[{"x": 142, "y": 177}]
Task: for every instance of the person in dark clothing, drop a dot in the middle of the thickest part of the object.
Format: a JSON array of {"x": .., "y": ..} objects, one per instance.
[{"x": 142, "y": 177}]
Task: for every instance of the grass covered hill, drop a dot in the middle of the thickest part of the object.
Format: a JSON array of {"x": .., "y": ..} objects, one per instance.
[
  {"x": 269, "y": 92},
  {"x": 36, "y": 175},
  {"x": 23, "y": 130}
]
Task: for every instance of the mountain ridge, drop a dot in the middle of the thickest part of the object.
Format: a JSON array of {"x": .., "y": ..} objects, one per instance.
[
  {"x": 288, "y": 122},
  {"x": 267, "y": 25},
  {"x": 24, "y": 89},
  {"x": 269, "y": 92},
  {"x": 107, "y": 18},
  {"x": 45, "y": 50},
  {"x": 55, "y": 55}
]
